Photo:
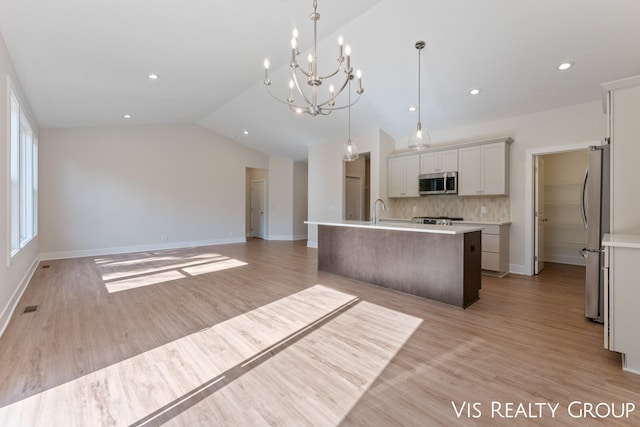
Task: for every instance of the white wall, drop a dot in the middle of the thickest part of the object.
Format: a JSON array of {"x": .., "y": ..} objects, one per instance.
[
  {"x": 106, "y": 190},
  {"x": 326, "y": 176},
  {"x": 287, "y": 199},
  {"x": 564, "y": 126},
  {"x": 280, "y": 200},
  {"x": 15, "y": 277},
  {"x": 300, "y": 195}
]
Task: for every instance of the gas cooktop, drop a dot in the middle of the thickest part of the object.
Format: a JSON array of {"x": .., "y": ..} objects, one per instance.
[{"x": 446, "y": 220}]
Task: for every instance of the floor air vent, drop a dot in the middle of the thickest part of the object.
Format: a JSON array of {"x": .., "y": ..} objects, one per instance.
[
  {"x": 45, "y": 266},
  {"x": 30, "y": 309}
]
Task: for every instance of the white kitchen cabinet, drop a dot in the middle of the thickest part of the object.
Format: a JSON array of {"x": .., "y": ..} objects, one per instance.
[
  {"x": 439, "y": 161},
  {"x": 484, "y": 169},
  {"x": 495, "y": 247},
  {"x": 403, "y": 176},
  {"x": 622, "y": 246},
  {"x": 622, "y": 293}
]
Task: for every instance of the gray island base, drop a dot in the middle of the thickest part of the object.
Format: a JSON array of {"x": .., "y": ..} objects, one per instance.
[{"x": 441, "y": 263}]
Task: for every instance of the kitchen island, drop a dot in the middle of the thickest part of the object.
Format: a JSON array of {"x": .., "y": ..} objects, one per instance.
[{"x": 439, "y": 262}]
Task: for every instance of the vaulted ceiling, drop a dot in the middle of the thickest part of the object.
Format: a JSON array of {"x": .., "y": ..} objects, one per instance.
[{"x": 85, "y": 62}]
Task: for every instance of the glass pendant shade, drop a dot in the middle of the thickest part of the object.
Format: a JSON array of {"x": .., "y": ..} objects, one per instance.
[
  {"x": 350, "y": 152},
  {"x": 420, "y": 139}
]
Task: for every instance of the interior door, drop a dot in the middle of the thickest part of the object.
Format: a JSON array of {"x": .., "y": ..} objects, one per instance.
[
  {"x": 353, "y": 199},
  {"x": 539, "y": 218},
  {"x": 258, "y": 217}
]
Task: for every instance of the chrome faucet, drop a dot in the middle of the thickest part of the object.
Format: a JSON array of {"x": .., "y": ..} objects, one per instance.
[{"x": 374, "y": 215}]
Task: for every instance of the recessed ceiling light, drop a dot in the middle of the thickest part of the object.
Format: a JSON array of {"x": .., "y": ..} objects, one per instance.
[
  {"x": 412, "y": 108},
  {"x": 153, "y": 76},
  {"x": 474, "y": 91},
  {"x": 246, "y": 132},
  {"x": 127, "y": 116},
  {"x": 565, "y": 66}
]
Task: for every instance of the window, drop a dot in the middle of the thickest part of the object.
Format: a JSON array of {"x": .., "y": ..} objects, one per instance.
[{"x": 23, "y": 178}]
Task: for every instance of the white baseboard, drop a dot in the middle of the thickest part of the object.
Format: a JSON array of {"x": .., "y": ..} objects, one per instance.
[
  {"x": 8, "y": 310},
  {"x": 285, "y": 237},
  {"x": 518, "y": 269},
  {"x": 560, "y": 259},
  {"x": 141, "y": 248},
  {"x": 312, "y": 244},
  {"x": 299, "y": 237}
]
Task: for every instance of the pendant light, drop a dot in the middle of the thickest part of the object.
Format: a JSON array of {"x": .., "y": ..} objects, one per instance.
[
  {"x": 420, "y": 139},
  {"x": 350, "y": 151}
]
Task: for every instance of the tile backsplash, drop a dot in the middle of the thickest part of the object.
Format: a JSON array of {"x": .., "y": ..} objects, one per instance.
[{"x": 469, "y": 208}]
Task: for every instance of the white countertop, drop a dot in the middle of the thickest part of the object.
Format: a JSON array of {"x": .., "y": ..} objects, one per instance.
[
  {"x": 483, "y": 222},
  {"x": 421, "y": 228},
  {"x": 622, "y": 240},
  {"x": 455, "y": 222}
]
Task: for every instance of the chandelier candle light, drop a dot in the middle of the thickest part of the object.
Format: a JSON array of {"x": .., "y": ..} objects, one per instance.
[
  {"x": 309, "y": 103},
  {"x": 419, "y": 141}
]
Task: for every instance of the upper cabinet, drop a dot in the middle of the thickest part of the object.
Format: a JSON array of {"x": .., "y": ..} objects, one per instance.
[
  {"x": 439, "y": 161},
  {"x": 484, "y": 169},
  {"x": 403, "y": 176}
]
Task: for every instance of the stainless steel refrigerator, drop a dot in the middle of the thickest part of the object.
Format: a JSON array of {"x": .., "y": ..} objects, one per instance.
[{"x": 595, "y": 216}]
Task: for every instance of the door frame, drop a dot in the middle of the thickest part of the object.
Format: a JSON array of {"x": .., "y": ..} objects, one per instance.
[
  {"x": 529, "y": 220},
  {"x": 538, "y": 220},
  {"x": 359, "y": 196},
  {"x": 264, "y": 202}
]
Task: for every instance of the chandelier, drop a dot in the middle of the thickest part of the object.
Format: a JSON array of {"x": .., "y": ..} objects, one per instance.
[
  {"x": 303, "y": 99},
  {"x": 419, "y": 141}
]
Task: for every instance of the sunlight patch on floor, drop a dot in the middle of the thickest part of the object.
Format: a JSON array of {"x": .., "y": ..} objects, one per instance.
[
  {"x": 320, "y": 347},
  {"x": 122, "y": 275}
]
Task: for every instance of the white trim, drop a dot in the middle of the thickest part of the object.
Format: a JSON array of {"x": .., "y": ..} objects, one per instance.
[
  {"x": 528, "y": 199},
  {"x": 8, "y": 172},
  {"x": 129, "y": 249},
  {"x": 285, "y": 237},
  {"x": 312, "y": 244},
  {"x": 9, "y": 309},
  {"x": 518, "y": 269}
]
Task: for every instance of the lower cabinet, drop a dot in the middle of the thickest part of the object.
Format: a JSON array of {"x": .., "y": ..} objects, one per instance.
[
  {"x": 495, "y": 248},
  {"x": 621, "y": 296}
]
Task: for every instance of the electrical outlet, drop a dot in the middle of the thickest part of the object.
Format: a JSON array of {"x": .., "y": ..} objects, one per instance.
[
  {"x": 164, "y": 237},
  {"x": 415, "y": 208},
  {"x": 483, "y": 210}
]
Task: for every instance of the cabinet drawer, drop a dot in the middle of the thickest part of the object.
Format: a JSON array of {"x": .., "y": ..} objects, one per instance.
[
  {"x": 490, "y": 242},
  {"x": 490, "y": 261},
  {"x": 491, "y": 229}
]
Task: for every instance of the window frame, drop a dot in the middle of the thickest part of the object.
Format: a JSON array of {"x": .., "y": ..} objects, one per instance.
[{"x": 22, "y": 177}]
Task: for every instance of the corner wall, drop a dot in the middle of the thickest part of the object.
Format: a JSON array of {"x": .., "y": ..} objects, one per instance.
[{"x": 287, "y": 199}]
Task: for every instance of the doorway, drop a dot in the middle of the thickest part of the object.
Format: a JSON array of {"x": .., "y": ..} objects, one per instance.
[
  {"x": 558, "y": 231},
  {"x": 357, "y": 189},
  {"x": 256, "y": 203},
  {"x": 258, "y": 210},
  {"x": 353, "y": 200}
]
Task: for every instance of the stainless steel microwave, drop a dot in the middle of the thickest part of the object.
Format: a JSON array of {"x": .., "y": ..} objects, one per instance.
[{"x": 438, "y": 183}]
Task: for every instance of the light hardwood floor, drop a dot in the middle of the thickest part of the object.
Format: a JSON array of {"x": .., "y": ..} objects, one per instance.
[{"x": 251, "y": 334}]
